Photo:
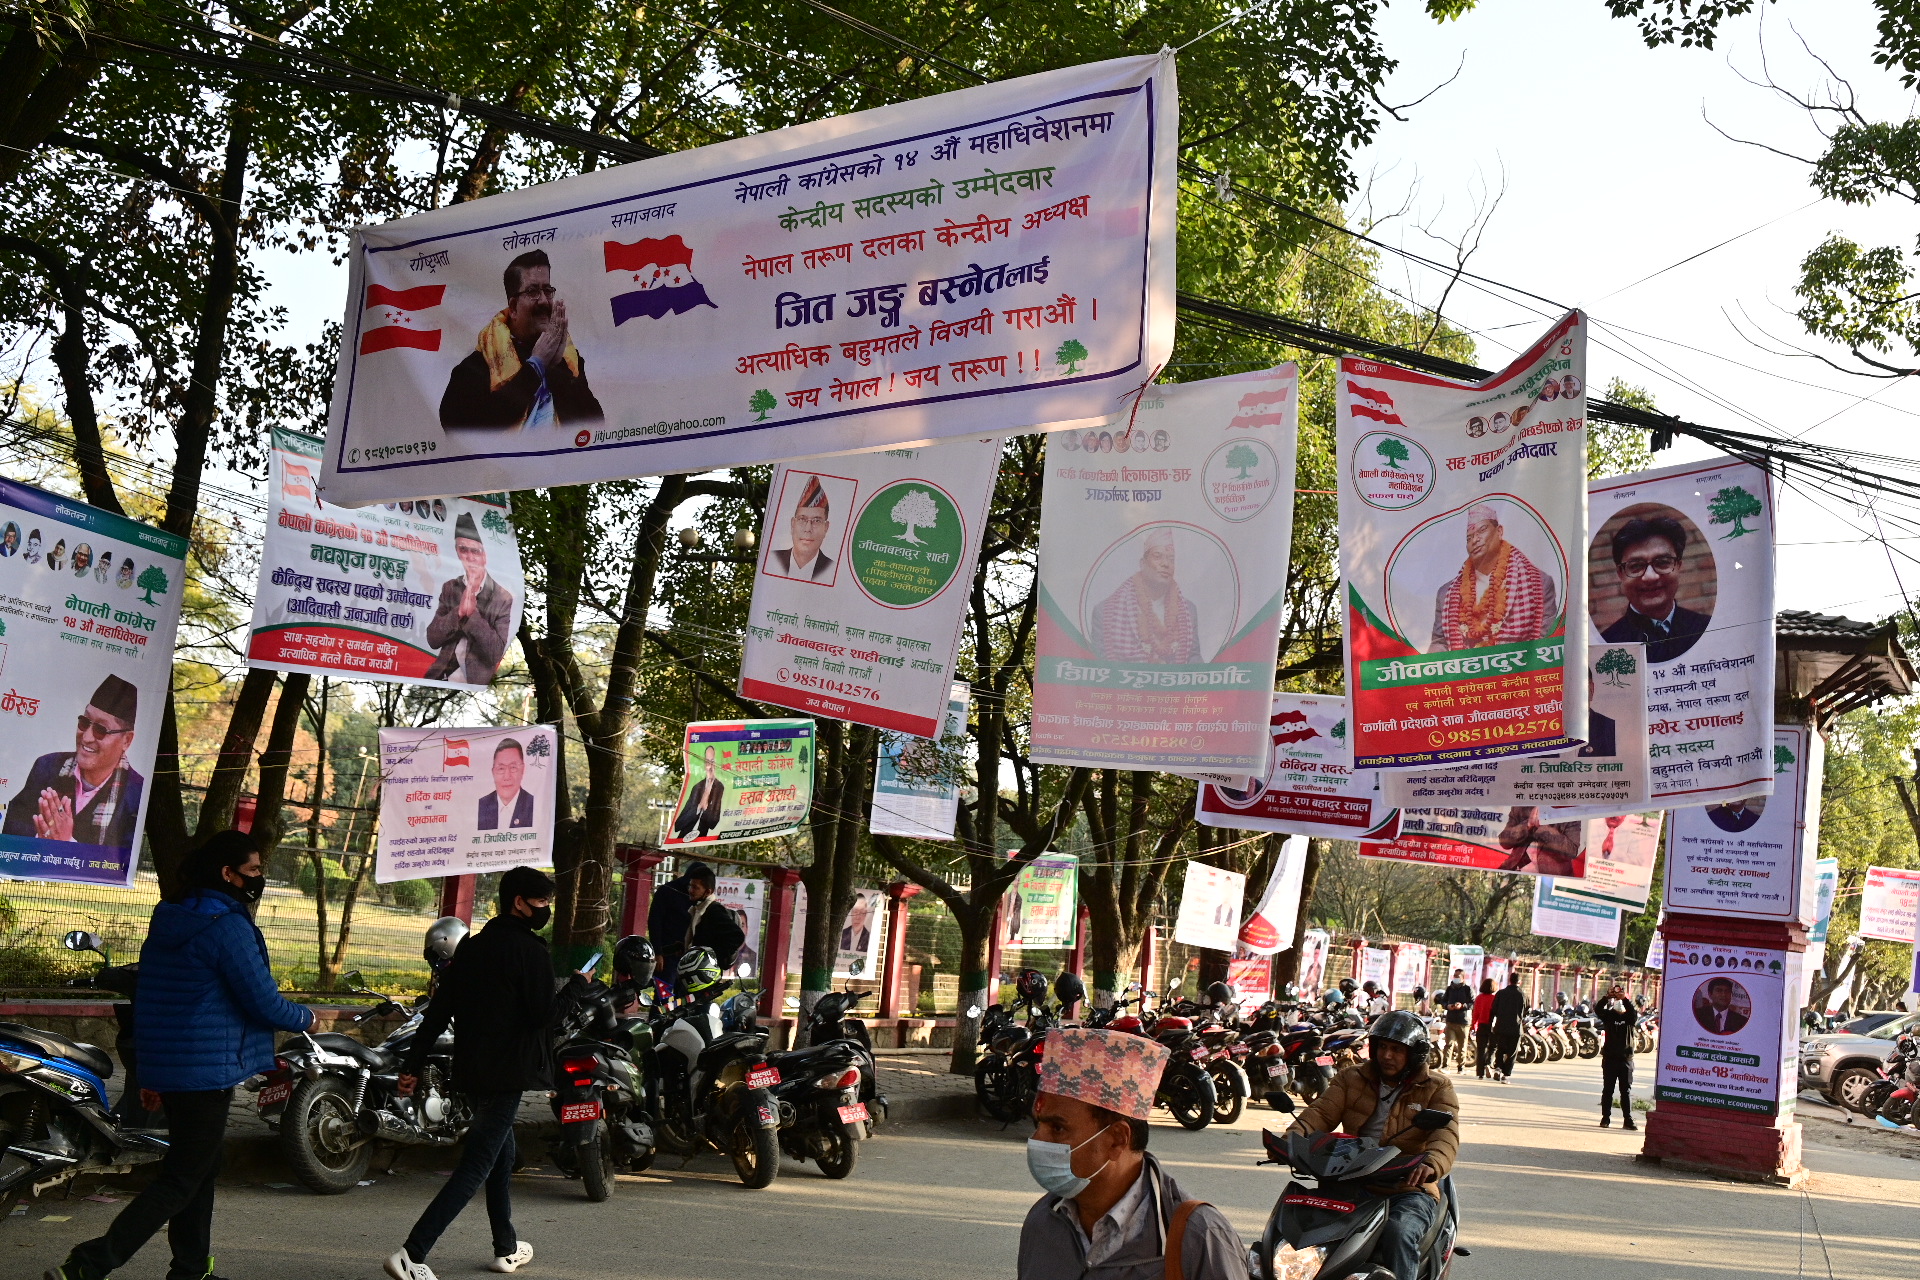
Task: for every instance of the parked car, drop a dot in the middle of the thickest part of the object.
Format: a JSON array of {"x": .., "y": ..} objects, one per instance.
[
  {"x": 1842, "y": 1065},
  {"x": 1868, "y": 1022}
]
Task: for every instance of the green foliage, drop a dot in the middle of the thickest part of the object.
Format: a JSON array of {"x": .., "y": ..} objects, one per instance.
[
  {"x": 413, "y": 895},
  {"x": 336, "y": 878},
  {"x": 1864, "y": 824},
  {"x": 1614, "y": 450}
]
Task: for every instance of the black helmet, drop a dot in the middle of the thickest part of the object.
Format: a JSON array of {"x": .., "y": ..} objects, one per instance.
[
  {"x": 1032, "y": 986},
  {"x": 1419, "y": 994},
  {"x": 1219, "y": 993},
  {"x": 1405, "y": 1027},
  {"x": 633, "y": 958},
  {"x": 443, "y": 935},
  {"x": 1347, "y": 986},
  {"x": 698, "y": 971},
  {"x": 1068, "y": 989}
]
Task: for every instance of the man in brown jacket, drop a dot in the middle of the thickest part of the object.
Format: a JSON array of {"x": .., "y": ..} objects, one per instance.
[{"x": 1378, "y": 1099}]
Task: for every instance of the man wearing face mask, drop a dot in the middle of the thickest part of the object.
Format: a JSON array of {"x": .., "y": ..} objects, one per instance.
[
  {"x": 1111, "y": 1211},
  {"x": 208, "y": 1009},
  {"x": 499, "y": 989}
]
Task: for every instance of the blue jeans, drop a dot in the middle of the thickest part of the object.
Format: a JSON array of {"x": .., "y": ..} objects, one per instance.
[
  {"x": 1409, "y": 1214},
  {"x": 488, "y": 1156}
]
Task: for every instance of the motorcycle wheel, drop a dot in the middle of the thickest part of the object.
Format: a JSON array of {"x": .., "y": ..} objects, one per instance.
[
  {"x": 1188, "y": 1101},
  {"x": 837, "y": 1152},
  {"x": 755, "y": 1152},
  {"x": 320, "y": 1137},
  {"x": 1555, "y": 1049},
  {"x": 1525, "y": 1053},
  {"x": 1589, "y": 1045},
  {"x": 1898, "y": 1110},
  {"x": 993, "y": 1087},
  {"x": 1228, "y": 1101},
  {"x": 596, "y": 1168}
]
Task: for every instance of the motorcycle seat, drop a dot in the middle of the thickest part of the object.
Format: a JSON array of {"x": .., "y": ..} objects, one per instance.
[
  {"x": 813, "y": 1054},
  {"x": 56, "y": 1045},
  {"x": 335, "y": 1042}
]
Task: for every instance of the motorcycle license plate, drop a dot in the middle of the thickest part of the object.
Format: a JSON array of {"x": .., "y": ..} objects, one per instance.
[
  {"x": 852, "y": 1112},
  {"x": 274, "y": 1094},
  {"x": 1325, "y": 1059},
  {"x": 573, "y": 1111},
  {"x": 763, "y": 1077},
  {"x": 1198, "y": 1054}
]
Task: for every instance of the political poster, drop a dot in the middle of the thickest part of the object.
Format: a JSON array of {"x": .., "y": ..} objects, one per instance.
[
  {"x": 1524, "y": 839},
  {"x": 1620, "y": 854},
  {"x": 461, "y": 802},
  {"x": 1251, "y": 977},
  {"x": 1209, "y": 913},
  {"x": 1751, "y": 857},
  {"x": 1311, "y": 787},
  {"x": 999, "y": 258},
  {"x": 1681, "y": 560},
  {"x": 1560, "y": 915},
  {"x": 1376, "y": 966},
  {"x": 89, "y": 602},
  {"x": 1043, "y": 909},
  {"x": 1461, "y": 523},
  {"x": 1314, "y": 946},
  {"x": 426, "y": 592},
  {"x": 747, "y": 900},
  {"x": 1163, "y": 565},
  {"x": 861, "y": 590},
  {"x": 862, "y": 933},
  {"x": 1471, "y": 959},
  {"x": 917, "y": 780},
  {"x": 1607, "y": 773},
  {"x": 1889, "y": 904},
  {"x": 1409, "y": 967},
  {"x": 1497, "y": 968},
  {"x": 1270, "y": 928},
  {"x": 743, "y": 780},
  {"x": 1722, "y": 1042},
  {"x": 1826, "y": 883}
]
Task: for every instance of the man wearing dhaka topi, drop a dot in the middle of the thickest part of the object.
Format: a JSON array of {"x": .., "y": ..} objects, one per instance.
[
  {"x": 1498, "y": 597},
  {"x": 1146, "y": 619}
]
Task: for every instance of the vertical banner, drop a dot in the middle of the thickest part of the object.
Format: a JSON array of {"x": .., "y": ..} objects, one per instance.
[
  {"x": 1270, "y": 928},
  {"x": 1462, "y": 515},
  {"x": 1044, "y": 911},
  {"x": 1826, "y": 880},
  {"x": 1311, "y": 787},
  {"x": 857, "y": 951},
  {"x": 1376, "y": 966},
  {"x": 747, "y": 899},
  {"x": 89, "y": 602},
  {"x": 743, "y": 780},
  {"x": 917, "y": 781},
  {"x": 1620, "y": 856},
  {"x": 461, "y": 802},
  {"x": 1314, "y": 946},
  {"x": 1749, "y": 857},
  {"x": 426, "y": 592},
  {"x": 1560, "y": 915},
  {"x": 1471, "y": 959},
  {"x": 1890, "y": 904},
  {"x": 1209, "y": 908},
  {"x": 1162, "y": 573},
  {"x": 1682, "y": 561},
  {"x": 861, "y": 591},
  {"x": 1409, "y": 967},
  {"x": 1721, "y": 1018}
]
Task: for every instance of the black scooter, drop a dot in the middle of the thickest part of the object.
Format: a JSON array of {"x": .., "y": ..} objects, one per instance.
[{"x": 599, "y": 1087}]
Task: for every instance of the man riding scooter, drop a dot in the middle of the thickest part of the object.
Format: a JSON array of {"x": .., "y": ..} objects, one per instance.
[{"x": 1378, "y": 1099}]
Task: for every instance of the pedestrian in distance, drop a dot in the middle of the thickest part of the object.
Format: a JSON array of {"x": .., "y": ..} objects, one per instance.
[
  {"x": 1617, "y": 1020},
  {"x": 1509, "y": 1009},
  {"x": 208, "y": 1009},
  {"x": 685, "y": 914},
  {"x": 498, "y": 990},
  {"x": 1457, "y": 1000},
  {"x": 1483, "y": 1029}
]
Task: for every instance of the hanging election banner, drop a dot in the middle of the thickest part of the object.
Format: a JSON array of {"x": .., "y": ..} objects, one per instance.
[
  {"x": 1620, "y": 855},
  {"x": 1497, "y": 968},
  {"x": 1560, "y": 915},
  {"x": 1251, "y": 977},
  {"x": 461, "y": 802},
  {"x": 1311, "y": 787},
  {"x": 747, "y": 899},
  {"x": 1314, "y": 946},
  {"x": 425, "y": 592},
  {"x": 1461, "y": 521},
  {"x": 998, "y": 258},
  {"x": 1608, "y": 772},
  {"x": 1472, "y": 960},
  {"x": 1753, "y": 857},
  {"x": 1209, "y": 913},
  {"x": 861, "y": 591},
  {"x": 862, "y": 933},
  {"x": 1161, "y": 578},
  {"x": 1826, "y": 884},
  {"x": 1270, "y": 928},
  {"x": 916, "y": 780},
  {"x": 1889, "y": 904},
  {"x": 1722, "y": 1043},
  {"x": 1521, "y": 838},
  {"x": 1409, "y": 967},
  {"x": 1043, "y": 910},
  {"x": 89, "y": 602},
  {"x": 1376, "y": 966},
  {"x": 1682, "y": 561},
  {"x": 743, "y": 780}
]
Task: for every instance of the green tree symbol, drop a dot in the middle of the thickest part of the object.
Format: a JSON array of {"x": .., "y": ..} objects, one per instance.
[
  {"x": 1243, "y": 459},
  {"x": 762, "y": 403},
  {"x": 496, "y": 522},
  {"x": 1782, "y": 757},
  {"x": 1340, "y": 731},
  {"x": 1615, "y": 663},
  {"x": 151, "y": 579},
  {"x": 1394, "y": 451},
  {"x": 1070, "y": 354},
  {"x": 1732, "y": 505},
  {"x": 915, "y": 510}
]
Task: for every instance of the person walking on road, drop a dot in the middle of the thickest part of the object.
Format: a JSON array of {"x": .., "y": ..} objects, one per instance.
[
  {"x": 1509, "y": 1009},
  {"x": 208, "y": 1010},
  {"x": 1617, "y": 1019},
  {"x": 1483, "y": 1029},
  {"x": 1457, "y": 1000},
  {"x": 499, "y": 990}
]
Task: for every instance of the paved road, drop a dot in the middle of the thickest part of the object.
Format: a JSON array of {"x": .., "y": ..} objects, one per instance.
[{"x": 1547, "y": 1194}]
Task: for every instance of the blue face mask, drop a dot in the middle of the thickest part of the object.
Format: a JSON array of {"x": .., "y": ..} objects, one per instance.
[{"x": 1051, "y": 1164}]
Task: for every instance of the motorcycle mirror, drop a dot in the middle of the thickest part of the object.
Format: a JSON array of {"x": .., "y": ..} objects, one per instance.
[
  {"x": 353, "y": 978},
  {"x": 1431, "y": 1120},
  {"x": 1281, "y": 1102},
  {"x": 81, "y": 940}
]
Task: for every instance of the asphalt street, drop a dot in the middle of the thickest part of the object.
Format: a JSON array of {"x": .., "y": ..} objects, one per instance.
[{"x": 1546, "y": 1193}]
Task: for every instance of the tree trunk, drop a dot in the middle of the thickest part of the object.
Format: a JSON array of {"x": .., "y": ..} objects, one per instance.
[
  {"x": 269, "y": 819},
  {"x": 315, "y": 795},
  {"x": 977, "y": 986},
  {"x": 236, "y": 752},
  {"x": 167, "y": 811}
]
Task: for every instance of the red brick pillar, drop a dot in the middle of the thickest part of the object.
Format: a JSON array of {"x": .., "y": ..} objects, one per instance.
[
  {"x": 996, "y": 950},
  {"x": 456, "y": 896},
  {"x": 1077, "y": 962},
  {"x": 636, "y": 866},
  {"x": 773, "y": 955},
  {"x": 1533, "y": 985},
  {"x": 897, "y": 894},
  {"x": 1357, "y": 960}
]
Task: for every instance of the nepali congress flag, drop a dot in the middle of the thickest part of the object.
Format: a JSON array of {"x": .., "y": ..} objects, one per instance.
[
  {"x": 1371, "y": 402},
  {"x": 397, "y": 307},
  {"x": 663, "y": 270},
  {"x": 454, "y": 752},
  {"x": 1263, "y": 408}
]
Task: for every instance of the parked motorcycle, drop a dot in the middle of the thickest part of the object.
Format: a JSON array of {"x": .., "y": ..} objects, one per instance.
[
  {"x": 1891, "y": 1097},
  {"x": 1007, "y": 1075},
  {"x": 715, "y": 1083},
  {"x": 832, "y": 1019},
  {"x": 822, "y": 1116},
  {"x": 599, "y": 1092},
  {"x": 121, "y": 979}
]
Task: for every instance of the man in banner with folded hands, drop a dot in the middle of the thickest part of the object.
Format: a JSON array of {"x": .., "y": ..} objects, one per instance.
[
  {"x": 1111, "y": 1210},
  {"x": 89, "y": 795},
  {"x": 1498, "y": 597},
  {"x": 525, "y": 370}
]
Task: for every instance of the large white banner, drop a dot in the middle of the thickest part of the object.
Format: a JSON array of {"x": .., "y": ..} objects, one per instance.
[
  {"x": 427, "y": 592},
  {"x": 1311, "y": 787},
  {"x": 862, "y": 937},
  {"x": 1890, "y": 904},
  {"x": 1409, "y": 967},
  {"x": 1682, "y": 560},
  {"x": 1376, "y": 966},
  {"x": 1753, "y": 857},
  {"x": 1314, "y": 946},
  {"x": 1209, "y": 913},
  {"x": 861, "y": 593},
  {"x": 1043, "y": 907},
  {"x": 460, "y": 802},
  {"x": 1561, "y": 915},
  {"x": 1462, "y": 515},
  {"x": 89, "y": 602},
  {"x": 1725, "y": 1038},
  {"x": 917, "y": 781},
  {"x": 1270, "y": 928},
  {"x": 1471, "y": 959},
  {"x": 994, "y": 259},
  {"x": 1162, "y": 573}
]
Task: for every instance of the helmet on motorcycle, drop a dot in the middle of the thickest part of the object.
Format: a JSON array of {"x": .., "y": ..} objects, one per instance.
[
  {"x": 698, "y": 971},
  {"x": 1403, "y": 1027},
  {"x": 633, "y": 958},
  {"x": 1333, "y": 999},
  {"x": 443, "y": 935},
  {"x": 1347, "y": 987},
  {"x": 1032, "y": 986},
  {"x": 1068, "y": 989},
  {"x": 1219, "y": 993}
]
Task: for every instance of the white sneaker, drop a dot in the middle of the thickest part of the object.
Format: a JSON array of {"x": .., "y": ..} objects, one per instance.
[
  {"x": 522, "y": 1254},
  {"x": 401, "y": 1267}
]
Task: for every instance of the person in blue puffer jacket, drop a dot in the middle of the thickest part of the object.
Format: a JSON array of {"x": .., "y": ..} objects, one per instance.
[{"x": 208, "y": 1007}]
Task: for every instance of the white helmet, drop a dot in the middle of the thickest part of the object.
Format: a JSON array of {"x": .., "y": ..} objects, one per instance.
[{"x": 443, "y": 936}]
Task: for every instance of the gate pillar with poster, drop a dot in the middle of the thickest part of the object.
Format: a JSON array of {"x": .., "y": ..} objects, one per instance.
[
  {"x": 773, "y": 979},
  {"x": 637, "y": 862},
  {"x": 895, "y": 966}
]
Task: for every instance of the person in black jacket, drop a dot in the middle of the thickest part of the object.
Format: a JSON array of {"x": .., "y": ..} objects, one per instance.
[
  {"x": 1617, "y": 1018},
  {"x": 498, "y": 992},
  {"x": 1457, "y": 1000},
  {"x": 685, "y": 914},
  {"x": 1509, "y": 1007}
]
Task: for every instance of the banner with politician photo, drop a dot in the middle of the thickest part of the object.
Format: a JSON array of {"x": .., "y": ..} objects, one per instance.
[
  {"x": 1621, "y": 849},
  {"x": 1209, "y": 914},
  {"x": 1044, "y": 906},
  {"x": 1754, "y": 857},
  {"x": 426, "y": 592},
  {"x": 1724, "y": 1036},
  {"x": 1162, "y": 573},
  {"x": 461, "y": 802},
  {"x": 1681, "y": 560},
  {"x": 89, "y": 602},
  {"x": 1311, "y": 787},
  {"x": 1461, "y": 523},
  {"x": 862, "y": 937},
  {"x": 861, "y": 592},
  {"x": 747, "y": 900},
  {"x": 742, "y": 780},
  {"x": 999, "y": 258},
  {"x": 1522, "y": 839},
  {"x": 917, "y": 781}
]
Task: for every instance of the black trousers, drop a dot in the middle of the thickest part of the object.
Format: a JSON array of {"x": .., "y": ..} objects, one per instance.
[
  {"x": 1505, "y": 1045},
  {"x": 1482, "y": 1048},
  {"x": 181, "y": 1198},
  {"x": 486, "y": 1158},
  {"x": 1616, "y": 1071}
]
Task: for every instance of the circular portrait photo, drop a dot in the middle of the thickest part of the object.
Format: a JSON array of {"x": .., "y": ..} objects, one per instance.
[
  {"x": 82, "y": 559},
  {"x": 1243, "y": 797},
  {"x": 1721, "y": 1005},
  {"x": 10, "y": 540},
  {"x": 1161, "y": 440},
  {"x": 440, "y": 509},
  {"x": 1498, "y": 572},
  {"x": 1550, "y": 390},
  {"x": 1737, "y": 815},
  {"x": 1519, "y": 415},
  {"x": 1069, "y": 441},
  {"x": 1476, "y": 427},
  {"x": 1651, "y": 578},
  {"x": 1570, "y": 386},
  {"x": 1163, "y": 594},
  {"x": 1500, "y": 423},
  {"x": 1124, "y": 442}
]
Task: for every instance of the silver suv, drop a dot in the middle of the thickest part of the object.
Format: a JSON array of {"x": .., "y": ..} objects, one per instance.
[{"x": 1842, "y": 1066}]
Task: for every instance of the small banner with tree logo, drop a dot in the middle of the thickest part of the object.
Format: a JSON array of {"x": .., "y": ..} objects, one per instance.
[
  {"x": 88, "y": 606},
  {"x": 1753, "y": 857},
  {"x": 461, "y": 802}
]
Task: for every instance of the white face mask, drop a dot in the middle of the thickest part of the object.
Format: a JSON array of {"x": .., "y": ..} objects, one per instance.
[{"x": 1051, "y": 1164}]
